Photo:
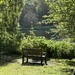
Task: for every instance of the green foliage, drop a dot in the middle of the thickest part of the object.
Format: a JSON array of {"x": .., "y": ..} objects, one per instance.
[
  {"x": 9, "y": 25},
  {"x": 31, "y": 41},
  {"x": 61, "y": 49},
  {"x": 36, "y": 42},
  {"x": 55, "y": 49},
  {"x": 33, "y": 12},
  {"x": 61, "y": 13}
]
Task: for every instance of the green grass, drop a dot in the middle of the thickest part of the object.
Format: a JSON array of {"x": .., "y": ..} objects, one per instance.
[{"x": 12, "y": 66}]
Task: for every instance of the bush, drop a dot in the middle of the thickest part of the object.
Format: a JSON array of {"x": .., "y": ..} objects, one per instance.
[
  {"x": 60, "y": 49},
  {"x": 64, "y": 49},
  {"x": 55, "y": 49},
  {"x": 50, "y": 48},
  {"x": 36, "y": 42}
]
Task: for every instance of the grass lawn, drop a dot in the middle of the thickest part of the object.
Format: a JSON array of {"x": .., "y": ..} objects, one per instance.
[{"x": 12, "y": 66}]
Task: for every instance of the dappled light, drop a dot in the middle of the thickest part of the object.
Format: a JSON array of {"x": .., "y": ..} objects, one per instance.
[{"x": 37, "y": 37}]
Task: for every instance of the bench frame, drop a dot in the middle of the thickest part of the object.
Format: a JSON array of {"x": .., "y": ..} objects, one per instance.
[{"x": 34, "y": 53}]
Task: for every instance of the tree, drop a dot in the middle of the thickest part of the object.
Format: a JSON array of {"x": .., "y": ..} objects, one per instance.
[
  {"x": 9, "y": 22},
  {"x": 33, "y": 12},
  {"x": 61, "y": 13}
]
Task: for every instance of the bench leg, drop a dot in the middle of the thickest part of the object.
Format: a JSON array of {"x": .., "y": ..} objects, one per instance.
[
  {"x": 41, "y": 61},
  {"x": 45, "y": 60},
  {"x": 22, "y": 60},
  {"x": 27, "y": 60},
  {"x": 22, "y": 57}
]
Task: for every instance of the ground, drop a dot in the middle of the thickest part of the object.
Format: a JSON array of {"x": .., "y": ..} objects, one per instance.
[{"x": 11, "y": 65}]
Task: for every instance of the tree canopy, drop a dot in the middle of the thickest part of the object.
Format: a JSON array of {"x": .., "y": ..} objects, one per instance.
[
  {"x": 33, "y": 12},
  {"x": 61, "y": 13},
  {"x": 9, "y": 22}
]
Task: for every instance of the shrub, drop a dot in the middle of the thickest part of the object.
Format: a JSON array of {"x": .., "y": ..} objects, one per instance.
[
  {"x": 67, "y": 50},
  {"x": 50, "y": 48},
  {"x": 34, "y": 42},
  {"x": 60, "y": 49},
  {"x": 56, "y": 49}
]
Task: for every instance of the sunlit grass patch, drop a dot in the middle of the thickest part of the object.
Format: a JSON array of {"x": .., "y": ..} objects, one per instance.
[{"x": 54, "y": 67}]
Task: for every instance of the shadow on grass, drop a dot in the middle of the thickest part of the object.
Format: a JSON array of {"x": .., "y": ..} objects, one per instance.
[
  {"x": 70, "y": 62},
  {"x": 32, "y": 64},
  {"x": 68, "y": 71},
  {"x": 4, "y": 60}
]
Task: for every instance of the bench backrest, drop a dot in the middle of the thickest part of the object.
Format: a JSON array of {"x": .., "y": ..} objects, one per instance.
[{"x": 33, "y": 51}]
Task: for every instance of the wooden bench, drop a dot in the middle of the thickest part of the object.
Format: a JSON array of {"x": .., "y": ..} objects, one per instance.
[{"x": 34, "y": 54}]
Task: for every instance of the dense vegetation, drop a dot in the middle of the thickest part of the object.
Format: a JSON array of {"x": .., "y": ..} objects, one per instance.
[
  {"x": 55, "y": 49},
  {"x": 32, "y": 16},
  {"x": 61, "y": 14},
  {"x": 32, "y": 13},
  {"x": 13, "y": 40},
  {"x": 55, "y": 17},
  {"x": 9, "y": 24}
]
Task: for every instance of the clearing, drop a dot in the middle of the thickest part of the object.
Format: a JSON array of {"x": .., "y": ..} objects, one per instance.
[{"x": 11, "y": 65}]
